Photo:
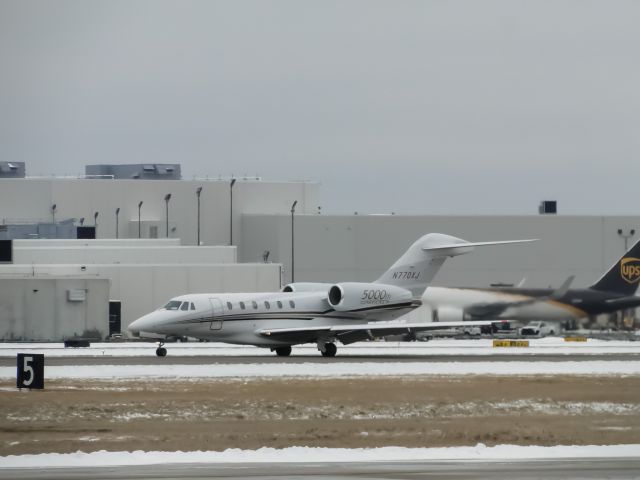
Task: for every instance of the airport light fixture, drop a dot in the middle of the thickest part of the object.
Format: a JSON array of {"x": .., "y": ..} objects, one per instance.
[
  {"x": 167, "y": 197},
  {"x": 53, "y": 213},
  {"x": 293, "y": 211},
  {"x": 198, "y": 192},
  {"x": 117, "y": 213},
  {"x": 139, "y": 222},
  {"x": 626, "y": 237},
  {"x": 231, "y": 184}
]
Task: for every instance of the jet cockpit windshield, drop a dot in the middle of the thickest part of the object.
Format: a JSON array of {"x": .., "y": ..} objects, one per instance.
[
  {"x": 172, "y": 305},
  {"x": 178, "y": 305}
]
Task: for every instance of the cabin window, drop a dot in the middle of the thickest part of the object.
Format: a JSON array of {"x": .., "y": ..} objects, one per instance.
[
  {"x": 173, "y": 305},
  {"x": 185, "y": 306},
  {"x": 255, "y": 305},
  {"x": 266, "y": 305},
  {"x": 229, "y": 306},
  {"x": 279, "y": 304},
  {"x": 242, "y": 305},
  {"x": 193, "y": 307},
  {"x": 292, "y": 304}
]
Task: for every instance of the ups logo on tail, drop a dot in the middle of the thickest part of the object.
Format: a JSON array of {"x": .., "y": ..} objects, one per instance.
[{"x": 630, "y": 269}]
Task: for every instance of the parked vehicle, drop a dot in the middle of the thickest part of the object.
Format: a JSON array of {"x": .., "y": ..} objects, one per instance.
[{"x": 538, "y": 329}]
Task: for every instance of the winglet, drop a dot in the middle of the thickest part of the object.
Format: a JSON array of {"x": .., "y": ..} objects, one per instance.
[{"x": 562, "y": 290}]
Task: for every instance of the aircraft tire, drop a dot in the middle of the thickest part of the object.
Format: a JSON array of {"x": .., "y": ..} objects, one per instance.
[
  {"x": 283, "y": 351},
  {"x": 330, "y": 350},
  {"x": 161, "y": 352}
]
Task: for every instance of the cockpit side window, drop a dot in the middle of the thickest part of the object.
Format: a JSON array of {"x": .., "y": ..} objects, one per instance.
[
  {"x": 172, "y": 305},
  {"x": 193, "y": 307},
  {"x": 185, "y": 306}
]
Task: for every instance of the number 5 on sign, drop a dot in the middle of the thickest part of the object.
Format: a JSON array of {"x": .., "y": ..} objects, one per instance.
[{"x": 30, "y": 370}]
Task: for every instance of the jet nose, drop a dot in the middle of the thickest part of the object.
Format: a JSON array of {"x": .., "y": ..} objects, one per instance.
[{"x": 141, "y": 324}]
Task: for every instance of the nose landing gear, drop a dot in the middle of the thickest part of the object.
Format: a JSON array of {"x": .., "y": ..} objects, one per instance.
[{"x": 161, "y": 351}]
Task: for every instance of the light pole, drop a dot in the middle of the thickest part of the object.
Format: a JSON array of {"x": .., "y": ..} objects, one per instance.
[
  {"x": 233, "y": 182},
  {"x": 117, "y": 213},
  {"x": 53, "y": 213},
  {"x": 81, "y": 221},
  {"x": 198, "y": 192},
  {"x": 167, "y": 197},
  {"x": 139, "y": 223},
  {"x": 95, "y": 224},
  {"x": 293, "y": 210},
  {"x": 626, "y": 237}
]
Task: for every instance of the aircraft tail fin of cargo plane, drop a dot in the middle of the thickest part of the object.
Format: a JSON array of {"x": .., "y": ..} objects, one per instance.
[
  {"x": 623, "y": 276},
  {"x": 321, "y": 313}
]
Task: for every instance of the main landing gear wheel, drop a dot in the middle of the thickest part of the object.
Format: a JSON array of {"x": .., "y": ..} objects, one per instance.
[
  {"x": 330, "y": 350},
  {"x": 283, "y": 351},
  {"x": 161, "y": 351}
]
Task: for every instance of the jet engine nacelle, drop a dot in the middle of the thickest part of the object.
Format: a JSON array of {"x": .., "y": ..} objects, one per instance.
[
  {"x": 350, "y": 296},
  {"x": 306, "y": 287},
  {"x": 448, "y": 314}
]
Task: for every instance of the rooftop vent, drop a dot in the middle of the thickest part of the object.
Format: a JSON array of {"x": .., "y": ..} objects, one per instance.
[{"x": 548, "y": 207}]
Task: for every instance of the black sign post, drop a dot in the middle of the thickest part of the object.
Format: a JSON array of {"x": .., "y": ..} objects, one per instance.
[{"x": 30, "y": 370}]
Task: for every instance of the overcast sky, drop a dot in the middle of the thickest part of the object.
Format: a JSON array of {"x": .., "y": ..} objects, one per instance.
[{"x": 406, "y": 106}]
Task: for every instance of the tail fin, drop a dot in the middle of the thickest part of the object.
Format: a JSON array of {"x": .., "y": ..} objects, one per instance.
[
  {"x": 623, "y": 277},
  {"x": 416, "y": 268}
]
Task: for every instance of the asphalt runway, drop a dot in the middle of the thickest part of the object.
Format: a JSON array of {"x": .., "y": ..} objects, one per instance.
[
  {"x": 565, "y": 469},
  {"x": 152, "y": 359}
]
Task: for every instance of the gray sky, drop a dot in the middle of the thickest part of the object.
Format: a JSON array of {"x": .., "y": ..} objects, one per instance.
[{"x": 407, "y": 106}]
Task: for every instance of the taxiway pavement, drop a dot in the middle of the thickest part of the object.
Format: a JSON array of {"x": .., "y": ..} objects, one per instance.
[{"x": 565, "y": 469}]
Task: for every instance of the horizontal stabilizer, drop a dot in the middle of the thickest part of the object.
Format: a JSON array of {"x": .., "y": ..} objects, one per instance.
[
  {"x": 625, "y": 302},
  {"x": 475, "y": 244}
]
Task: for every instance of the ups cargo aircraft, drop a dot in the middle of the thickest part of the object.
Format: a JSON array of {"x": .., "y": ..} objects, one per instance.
[
  {"x": 614, "y": 291},
  {"x": 320, "y": 313}
]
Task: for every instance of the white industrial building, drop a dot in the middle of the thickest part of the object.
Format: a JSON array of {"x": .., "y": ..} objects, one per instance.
[
  {"x": 52, "y": 307},
  {"x": 142, "y": 273}
]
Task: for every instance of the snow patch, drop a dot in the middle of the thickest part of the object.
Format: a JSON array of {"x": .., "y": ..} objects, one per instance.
[
  {"x": 333, "y": 370},
  {"x": 328, "y": 455},
  {"x": 480, "y": 347}
]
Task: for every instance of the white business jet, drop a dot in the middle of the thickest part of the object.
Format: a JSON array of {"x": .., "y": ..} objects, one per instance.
[{"x": 320, "y": 313}]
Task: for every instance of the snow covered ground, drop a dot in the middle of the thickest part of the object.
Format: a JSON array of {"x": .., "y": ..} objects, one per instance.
[
  {"x": 328, "y": 455},
  {"x": 480, "y": 347},
  {"x": 330, "y": 370},
  {"x": 453, "y": 348}
]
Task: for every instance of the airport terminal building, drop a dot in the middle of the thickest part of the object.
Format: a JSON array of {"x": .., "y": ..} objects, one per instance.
[{"x": 92, "y": 254}]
